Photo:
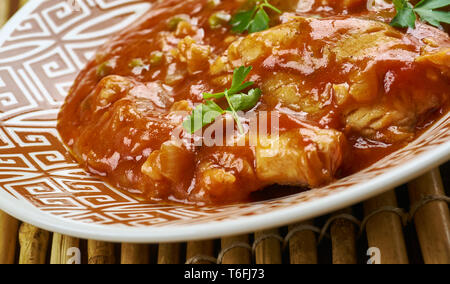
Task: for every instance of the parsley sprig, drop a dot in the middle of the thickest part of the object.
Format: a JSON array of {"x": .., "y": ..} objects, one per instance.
[
  {"x": 254, "y": 20},
  {"x": 426, "y": 9},
  {"x": 207, "y": 112}
]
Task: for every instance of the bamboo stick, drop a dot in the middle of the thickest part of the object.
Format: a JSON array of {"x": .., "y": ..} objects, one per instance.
[
  {"x": 385, "y": 231},
  {"x": 153, "y": 253},
  {"x": 22, "y": 2},
  {"x": 169, "y": 253},
  {"x": 237, "y": 255},
  {"x": 135, "y": 254},
  {"x": 268, "y": 251},
  {"x": 33, "y": 244},
  {"x": 200, "y": 252},
  {"x": 4, "y": 11},
  {"x": 343, "y": 239},
  {"x": 8, "y": 225},
  {"x": 13, "y": 6},
  {"x": 303, "y": 246},
  {"x": 65, "y": 250},
  {"x": 8, "y": 238},
  {"x": 432, "y": 220},
  {"x": 101, "y": 253}
]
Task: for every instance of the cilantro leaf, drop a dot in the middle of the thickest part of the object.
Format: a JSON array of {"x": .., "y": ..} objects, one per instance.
[
  {"x": 202, "y": 115},
  {"x": 398, "y": 4},
  {"x": 242, "y": 102},
  {"x": 242, "y": 20},
  {"x": 208, "y": 96},
  {"x": 237, "y": 85},
  {"x": 260, "y": 22},
  {"x": 253, "y": 20},
  {"x": 432, "y": 4},
  {"x": 239, "y": 76},
  {"x": 406, "y": 13},
  {"x": 234, "y": 113},
  {"x": 434, "y": 17},
  {"x": 206, "y": 113}
]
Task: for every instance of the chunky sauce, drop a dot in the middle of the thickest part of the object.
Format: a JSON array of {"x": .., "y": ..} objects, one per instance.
[{"x": 324, "y": 67}]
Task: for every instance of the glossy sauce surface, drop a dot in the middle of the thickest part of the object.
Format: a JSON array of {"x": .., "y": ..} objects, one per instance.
[{"x": 120, "y": 108}]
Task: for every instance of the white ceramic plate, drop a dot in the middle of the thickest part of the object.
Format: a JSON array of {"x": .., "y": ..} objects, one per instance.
[{"x": 42, "y": 49}]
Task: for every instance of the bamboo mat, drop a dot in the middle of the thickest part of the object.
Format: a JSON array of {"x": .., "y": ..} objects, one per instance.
[{"x": 410, "y": 224}]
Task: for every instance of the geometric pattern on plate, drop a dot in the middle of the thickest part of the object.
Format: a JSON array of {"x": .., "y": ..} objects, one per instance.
[{"x": 39, "y": 59}]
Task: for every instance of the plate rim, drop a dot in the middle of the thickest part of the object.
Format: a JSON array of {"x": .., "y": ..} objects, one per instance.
[{"x": 242, "y": 225}]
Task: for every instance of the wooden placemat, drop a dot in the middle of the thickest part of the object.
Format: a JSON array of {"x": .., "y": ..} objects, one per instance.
[{"x": 410, "y": 224}]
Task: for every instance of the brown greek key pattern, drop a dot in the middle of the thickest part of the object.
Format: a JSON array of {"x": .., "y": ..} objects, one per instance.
[{"x": 39, "y": 58}]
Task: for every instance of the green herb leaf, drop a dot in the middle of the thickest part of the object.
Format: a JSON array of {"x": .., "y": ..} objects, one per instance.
[
  {"x": 234, "y": 113},
  {"x": 237, "y": 85},
  {"x": 406, "y": 13},
  {"x": 242, "y": 20},
  {"x": 208, "y": 96},
  {"x": 399, "y": 4},
  {"x": 202, "y": 115},
  {"x": 432, "y": 4},
  {"x": 253, "y": 20},
  {"x": 434, "y": 17},
  {"x": 260, "y": 22},
  {"x": 239, "y": 76},
  {"x": 205, "y": 114},
  {"x": 243, "y": 102}
]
